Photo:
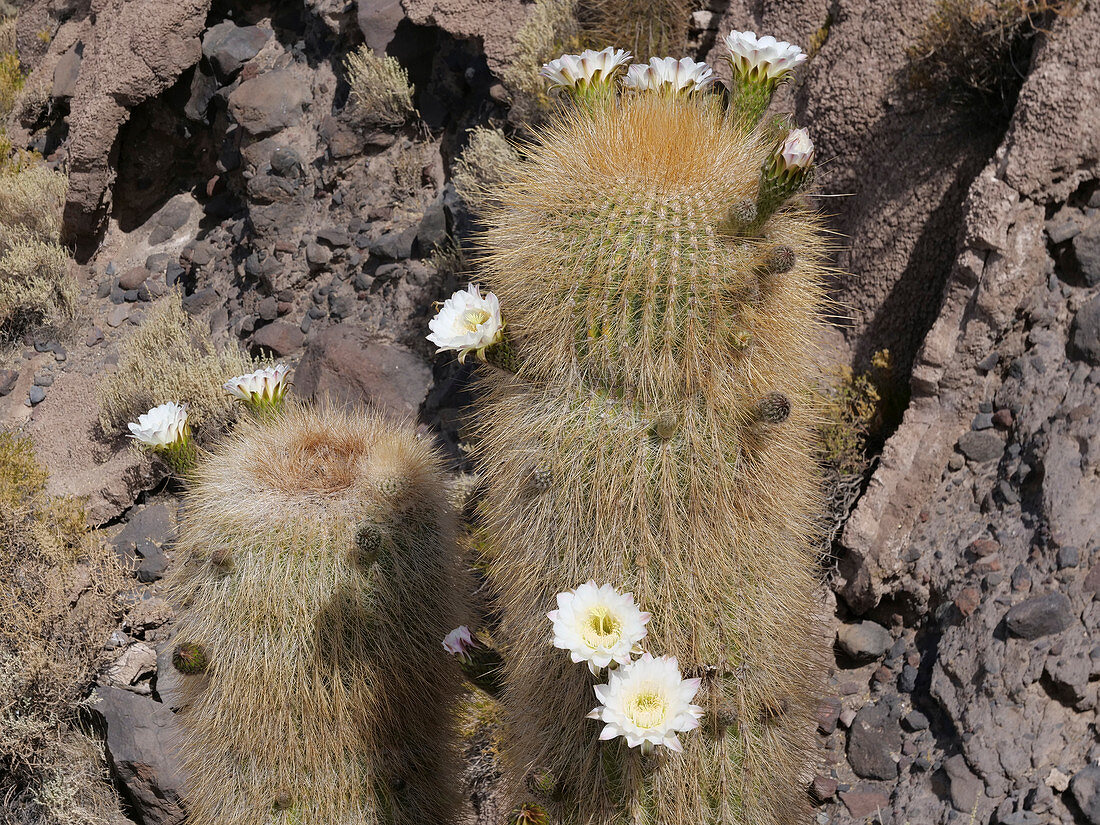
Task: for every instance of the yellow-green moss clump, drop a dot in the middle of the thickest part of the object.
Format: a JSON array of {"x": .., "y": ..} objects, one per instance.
[
  {"x": 57, "y": 606},
  {"x": 171, "y": 357},
  {"x": 380, "y": 87}
]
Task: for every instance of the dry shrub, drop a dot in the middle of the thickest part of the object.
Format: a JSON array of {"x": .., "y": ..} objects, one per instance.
[
  {"x": 171, "y": 357},
  {"x": 550, "y": 30},
  {"x": 379, "y": 87},
  {"x": 7, "y": 36},
  {"x": 58, "y": 590},
  {"x": 31, "y": 200},
  {"x": 11, "y": 75},
  {"x": 36, "y": 288},
  {"x": 483, "y": 166},
  {"x": 977, "y": 50},
  {"x": 646, "y": 28}
]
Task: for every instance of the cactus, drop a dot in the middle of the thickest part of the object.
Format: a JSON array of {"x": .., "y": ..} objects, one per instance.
[
  {"x": 320, "y": 579},
  {"x": 657, "y": 435}
]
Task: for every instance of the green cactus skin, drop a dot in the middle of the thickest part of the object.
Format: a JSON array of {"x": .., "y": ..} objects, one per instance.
[
  {"x": 328, "y": 699},
  {"x": 646, "y": 331}
]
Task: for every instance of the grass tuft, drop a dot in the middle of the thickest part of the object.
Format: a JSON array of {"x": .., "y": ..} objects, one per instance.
[{"x": 380, "y": 87}]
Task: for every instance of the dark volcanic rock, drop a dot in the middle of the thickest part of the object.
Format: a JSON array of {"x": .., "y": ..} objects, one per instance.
[
  {"x": 140, "y": 544},
  {"x": 981, "y": 446},
  {"x": 1086, "y": 248},
  {"x": 864, "y": 801},
  {"x": 1085, "y": 788},
  {"x": 1040, "y": 616},
  {"x": 228, "y": 46},
  {"x": 874, "y": 742},
  {"x": 964, "y": 787},
  {"x": 1086, "y": 331},
  {"x": 7, "y": 381},
  {"x": 142, "y": 738}
]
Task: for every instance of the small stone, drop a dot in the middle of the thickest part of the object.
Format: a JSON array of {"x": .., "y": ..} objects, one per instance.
[
  {"x": 36, "y": 395},
  {"x": 1068, "y": 557},
  {"x": 7, "y": 381},
  {"x": 334, "y": 236},
  {"x": 285, "y": 163},
  {"x": 874, "y": 743},
  {"x": 864, "y": 802},
  {"x": 968, "y": 600},
  {"x": 828, "y": 712},
  {"x": 956, "y": 462},
  {"x": 981, "y": 446},
  {"x": 914, "y": 721},
  {"x": 1086, "y": 790},
  {"x": 1003, "y": 418},
  {"x": 1021, "y": 578},
  {"x": 907, "y": 681},
  {"x": 268, "y": 308},
  {"x": 864, "y": 641},
  {"x": 394, "y": 246},
  {"x": 1040, "y": 616},
  {"x": 982, "y": 421},
  {"x": 823, "y": 788},
  {"x": 317, "y": 255},
  {"x": 43, "y": 379},
  {"x": 228, "y": 46},
  {"x": 983, "y": 547},
  {"x": 847, "y": 716},
  {"x": 989, "y": 362},
  {"x": 279, "y": 337},
  {"x": 1091, "y": 584},
  {"x": 118, "y": 315}
]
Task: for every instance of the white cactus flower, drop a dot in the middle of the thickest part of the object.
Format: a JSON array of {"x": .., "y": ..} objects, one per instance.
[
  {"x": 599, "y": 625},
  {"x": 578, "y": 71},
  {"x": 762, "y": 58},
  {"x": 663, "y": 73},
  {"x": 459, "y": 642},
  {"x": 467, "y": 322},
  {"x": 797, "y": 150},
  {"x": 267, "y": 385},
  {"x": 162, "y": 426},
  {"x": 648, "y": 703}
]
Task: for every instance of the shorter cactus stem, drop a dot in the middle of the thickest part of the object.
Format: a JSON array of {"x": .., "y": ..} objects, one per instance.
[
  {"x": 502, "y": 355},
  {"x": 750, "y": 99}
]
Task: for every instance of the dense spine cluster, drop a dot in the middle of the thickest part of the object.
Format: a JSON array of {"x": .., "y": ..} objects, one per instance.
[
  {"x": 662, "y": 306},
  {"x": 321, "y": 577}
]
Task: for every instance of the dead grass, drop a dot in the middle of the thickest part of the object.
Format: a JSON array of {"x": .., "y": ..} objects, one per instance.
[
  {"x": 171, "y": 357},
  {"x": 646, "y": 28},
  {"x": 380, "y": 88},
  {"x": 551, "y": 30},
  {"x": 58, "y": 590},
  {"x": 484, "y": 164},
  {"x": 977, "y": 50}
]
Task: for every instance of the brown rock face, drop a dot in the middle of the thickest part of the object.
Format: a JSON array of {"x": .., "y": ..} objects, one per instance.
[
  {"x": 133, "y": 53},
  {"x": 340, "y": 365}
]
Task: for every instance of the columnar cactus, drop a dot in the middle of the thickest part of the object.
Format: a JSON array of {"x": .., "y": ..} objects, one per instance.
[
  {"x": 661, "y": 282},
  {"x": 321, "y": 579}
]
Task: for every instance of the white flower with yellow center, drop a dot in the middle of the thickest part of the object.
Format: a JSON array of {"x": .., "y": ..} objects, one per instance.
[
  {"x": 668, "y": 74},
  {"x": 589, "y": 68},
  {"x": 763, "y": 58},
  {"x": 162, "y": 426},
  {"x": 647, "y": 703},
  {"x": 796, "y": 152},
  {"x": 467, "y": 322},
  {"x": 459, "y": 642},
  {"x": 265, "y": 386},
  {"x": 599, "y": 625}
]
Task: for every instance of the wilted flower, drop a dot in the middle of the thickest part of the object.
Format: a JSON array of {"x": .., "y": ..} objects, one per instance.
[
  {"x": 467, "y": 322},
  {"x": 459, "y": 642},
  {"x": 589, "y": 68},
  {"x": 263, "y": 387},
  {"x": 668, "y": 73},
  {"x": 162, "y": 426},
  {"x": 762, "y": 58},
  {"x": 796, "y": 152},
  {"x": 648, "y": 703},
  {"x": 597, "y": 624}
]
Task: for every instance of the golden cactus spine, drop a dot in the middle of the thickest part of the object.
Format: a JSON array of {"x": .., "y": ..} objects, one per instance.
[
  {"x": 321, "y": 578},
  {"x": 658, "y": 436}
]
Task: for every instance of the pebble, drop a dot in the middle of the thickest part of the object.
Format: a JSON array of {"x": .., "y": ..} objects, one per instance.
[
  {"x": 914, "y": 721},
  {"x": 864, "y": 641},
  {"x": 1085, "y": 788},
  {"x": 1069, "y": 556},
  {"x": 36, "y": 396},
  {"x": 982, "y": 421},
  {"x": 118, "y": 315},
  {"x": 1039, "y": 616}
]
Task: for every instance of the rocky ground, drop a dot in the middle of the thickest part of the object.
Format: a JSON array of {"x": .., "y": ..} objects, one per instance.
[{"x": 211, "y": 147}]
